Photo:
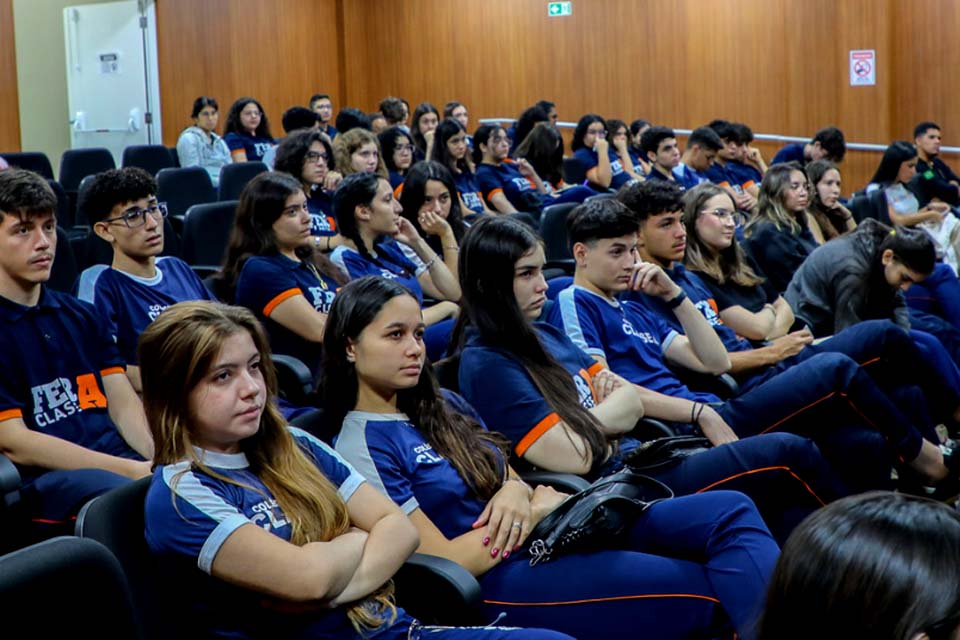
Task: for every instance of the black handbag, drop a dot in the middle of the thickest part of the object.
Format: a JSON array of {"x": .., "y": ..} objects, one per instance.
[
  {"x": 664, "y": 452},
  {"x": 595, "y": 517}
]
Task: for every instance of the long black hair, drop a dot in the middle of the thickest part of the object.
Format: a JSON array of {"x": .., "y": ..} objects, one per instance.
[
  {"x": 261, "y": 204},
  {"x": 234, "y": 125},
  {"x": 356, "y": 190},
  {"x": 582, "y": 125},
  {"x": 388, "y": 145},
  {"x": 422, "y": 109},
  {"x": 446, "y": 130},
  {"x": 475, "y": 453},
  {"x": 482, "y": 137},
  {"x": 488, "y": 256},
  {"x": 412, "y": 196},
  {"x": 543, "y": 149},
  {"x": 896, "y": 154},
  {"x": 878, "y": 565},
  {"x": 911, "y": 247},
  {"x": 293, "y": 149}
]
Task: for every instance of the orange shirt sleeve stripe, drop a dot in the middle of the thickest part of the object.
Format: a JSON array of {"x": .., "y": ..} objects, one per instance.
[
  {"x": 595, "y": 368},
  {"x": 10, "y": 414},
  {"x": 111, "y": 370},
  {"x": 494, "y": 192},
  {"x": 286, "y": 295},
  {"x": 534, "y": 434},
  {"x": 398, "y": 191}
]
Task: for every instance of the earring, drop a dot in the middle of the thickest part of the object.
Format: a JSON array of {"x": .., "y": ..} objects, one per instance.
[{"x": 351, "y": 359}]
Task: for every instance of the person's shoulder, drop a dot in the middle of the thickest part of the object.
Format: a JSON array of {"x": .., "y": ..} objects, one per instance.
[{"x": 94, "y": 280}]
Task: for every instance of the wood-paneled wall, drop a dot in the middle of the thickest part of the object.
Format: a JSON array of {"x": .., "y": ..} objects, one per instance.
[
  {"x": 9, "y": 106},
  {"x": 779, "y": 65},
  {"x": 279, "y": 52}
]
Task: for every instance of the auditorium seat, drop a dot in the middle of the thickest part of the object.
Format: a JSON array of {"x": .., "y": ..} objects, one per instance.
[
  {"x": 149, "y": 157},
  {"x": 573, "y": 171},
  {"x": 234, "y": 177},
  {"x": 553, "y": 230},
  {"x": 36, "y": 161},
  {"x": 183, "y": 188},
  {"x": 206, "y": 231}
]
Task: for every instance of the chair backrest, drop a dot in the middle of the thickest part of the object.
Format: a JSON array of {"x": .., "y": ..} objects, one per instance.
[
  {"x": 573, "y": 172},
  {"x": 183, "y": 188},
  {"x": 175, "y": 155},
  {"x": 65, "y": 212},
  {"x": 96, "y": 250},
  {"x": 553, "y": 230},
  {"x": 115, "y": 520},
  {"x": 206, "y": 231},
  {"x": 76, "y": 164},
  {"x": 64, "y": 588},
  {"x": 151, "y": 157},
  {"x": 235, "y": 176},
  {"x": 65, "y": 268},
  {"x": 32, "y": 161}
]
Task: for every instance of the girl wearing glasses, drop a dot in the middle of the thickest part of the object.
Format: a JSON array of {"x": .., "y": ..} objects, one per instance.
[
  {"x": 247, "y": 132},
  {"x": 781, "y": 234},
  {"x": 307, "y": 155},
  {"x": 746, "y": 301},
  {"x": 358, "y": 151},
  {"x": 272, "y": 268},
  {"x": 604, "y": 165},
  {"x": 397, "y": 147},
  {"x": 199, "y": 145},
  {"x": 884, "y": 566}
]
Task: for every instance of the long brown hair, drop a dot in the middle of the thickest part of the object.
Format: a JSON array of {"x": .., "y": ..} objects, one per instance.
[
  {"x": 181, "y": 345},
  {"x": 726, "y": 264},
  {"x": 771, "y": 198}
]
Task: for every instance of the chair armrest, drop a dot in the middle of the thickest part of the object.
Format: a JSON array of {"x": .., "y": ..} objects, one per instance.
[
  {"x": 651, "y": 429},
  {"x": 9, "y": 482},
  {"x": 567, "y": 482},
  {"x": 438, "y": 591},
  {"x": 722, "y": 385}
]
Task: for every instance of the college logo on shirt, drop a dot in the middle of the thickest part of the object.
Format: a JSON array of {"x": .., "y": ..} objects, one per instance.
[
  {"x": 709, "y": 311},
  {"x": 642, "y": 335},
  {"x": 322, "y": 298},
  {"x": 584, "y": 392},
  {"x": 520, "y": 183},
  {"x": 262, "y": 147},
  {"x": 472, "y": 201},
  {"x": 267, "y": 514},
  {"x": 57, "y": 399},
  {"x": 155, "y": 310},
  {"x": 616, "y": 167},
  {"x": 425, "y": 455},
  {"x": 319, "y": 224}
]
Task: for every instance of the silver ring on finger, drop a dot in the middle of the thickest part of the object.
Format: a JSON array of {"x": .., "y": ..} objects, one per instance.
[{"x": 517, "y": 524}]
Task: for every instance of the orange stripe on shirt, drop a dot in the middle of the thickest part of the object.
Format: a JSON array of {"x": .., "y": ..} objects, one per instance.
[
  {"x": 534, "y": 434},
  {"x": 595, "y": 368},
  {"x": 748, "y": 184},
  {"x": 286, "y": 295},
  {"x": 10, "y": 414},
  {"x": 109, "y": 371},
  {"x": 494, "y": 192},
  {"x": 398, "y": 191}
]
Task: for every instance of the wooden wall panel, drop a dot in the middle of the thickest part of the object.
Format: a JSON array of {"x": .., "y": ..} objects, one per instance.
[
  {"x": 779, "y": 65},
  {"x": 9, "y": 105},
  {"x": 280, "y": 52}
]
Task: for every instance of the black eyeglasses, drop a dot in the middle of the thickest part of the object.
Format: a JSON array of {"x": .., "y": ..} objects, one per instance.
[
  {"x": 314, "y": 156},
  {"x": 138, "y": 217}
]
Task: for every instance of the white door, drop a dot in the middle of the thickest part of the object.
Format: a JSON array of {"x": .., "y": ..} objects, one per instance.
[{"x": 112, "y": 86}]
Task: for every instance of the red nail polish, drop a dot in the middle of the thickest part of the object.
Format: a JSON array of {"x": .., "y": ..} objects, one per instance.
[
  {"x": 486, "y": 541},
  {"x": 495, "y": 552},
  {"x": 506, "y": 554}
]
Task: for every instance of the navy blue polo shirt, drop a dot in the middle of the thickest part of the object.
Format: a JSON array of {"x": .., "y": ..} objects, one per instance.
[
  {"x": 745, "y": 175},
  {"x": 320, "y": 206},
  {"x": 390, "y": 262},
  {"x": 266, "y": 281},
  {"x": 129, "y": 303},
  {"x": 722, "y": 176},
  {"x": 590, "y": 159},
  {"x": 655, "y": 174},
  {"x": 53, "y": 358},
  {"x": 505, "y": 178},
  {"x": 254, "y": 146},
  {"x": 790, "y": 153},
  {"x": 470, "y": 195}
]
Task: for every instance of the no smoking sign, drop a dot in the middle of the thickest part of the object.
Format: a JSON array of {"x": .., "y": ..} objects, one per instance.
[{"x": 863, "y": 68}]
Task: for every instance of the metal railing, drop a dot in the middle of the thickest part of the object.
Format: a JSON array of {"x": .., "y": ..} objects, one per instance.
[{"x": 769, "y": 137}]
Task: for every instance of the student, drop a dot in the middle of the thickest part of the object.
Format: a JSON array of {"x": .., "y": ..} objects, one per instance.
[
  {"x": 132, "y": 291},
  {"x": 69, "y": 419},
  {"x": 617, "y": 130},
  {"x": 702, "y": 147},
  {"x": 735, "y": 308},
  {"x": 458, "y": 111},
  {"x": 308, "y": 156},
  {"x": 832, "y": 217},
  {"x": 247, "y": 132},
  {"x": 373, "y": 229},
  {"x": 352, "y": 118},
  {"x": 322, "y": 105},
  {"x": 939, "y": 180},
  {"x": 426, "y": 117},
  {"x": 358, "y": 151},
  {"x": 396, "y": 111},
  {"x": 896, "y": 170},
  {"x": 398, "y": 150},
  {"x": 660, "y": 148},
  {"x": 636, "y": 344},
  {"x": 377, "y": 122},
  {"x": 199, "y": 145},
  {"x": 826, "y": 143},
  {"x": 779, "y": 237},
  {"x": 265, "y": 530},
  {"x": 637, "y": 129},
  {"x": 429, "y": 201},
  {"x": 294, "y": 119},
  {"x": 272, "y": 267},
  {"x": 749, "y": 163},
  {"x": 564, "y": 412},
  {"x": 531, "y": 117},
  {"x": 877, "y": 565},
  {"x": 604, "y": 166},
  {"x": 722, "y": 172},
  {"x": 508, "y": 186},
  {"x": 451, "y": 477},
  {"x": 543, "y": 149},
  {"x": 453, "y": 152}
]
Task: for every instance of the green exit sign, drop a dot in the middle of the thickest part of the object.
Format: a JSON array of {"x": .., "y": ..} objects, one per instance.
[{"x": 555, "y": 9}]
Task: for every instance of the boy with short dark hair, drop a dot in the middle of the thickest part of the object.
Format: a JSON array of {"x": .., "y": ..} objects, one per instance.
[
  {"x": 322, "y": 104},
  {"x": 722, "y": 173},
  {"x": 702, "y": 147},
  {"x": 132, "y": 291},
  {"x": 826, "y": 143},
  {"x": 660, "y": 146},
  {"x": 938, "y": 180},
  {"x": 69, "y": 418}
]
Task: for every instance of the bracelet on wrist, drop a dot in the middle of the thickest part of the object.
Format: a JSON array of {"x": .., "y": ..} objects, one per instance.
[
  {"x": 676, "y": 300},
  {"x": 430, "y": 263}
]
